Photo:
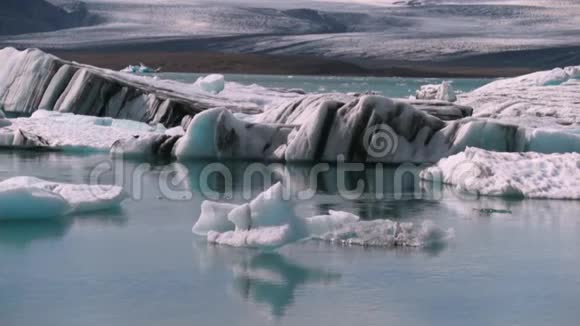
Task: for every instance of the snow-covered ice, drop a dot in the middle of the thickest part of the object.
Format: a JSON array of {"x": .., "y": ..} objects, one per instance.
[
  {"x": 33, "y": 198},
  {"x": 521, "y": 175},
  {"x": 76, "y": 133},
  {"x": 269, "y": 222},
  {"x": 540, "y": 100}
]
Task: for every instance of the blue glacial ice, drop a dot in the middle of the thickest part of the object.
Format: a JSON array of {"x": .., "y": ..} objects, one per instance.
[{"x": 33, "y": 198}]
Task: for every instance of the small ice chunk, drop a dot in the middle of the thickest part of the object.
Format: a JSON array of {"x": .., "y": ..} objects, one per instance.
[
  {"x": 441, "y": 92},
  {"x": 241, "y": 216},
  {"x": 321, "y": 224},
  {"x": 573, "y": 72},
  {"x": 265, "y": 237},
  {"x": 214, "y": 217},
  {"x": 271, "y": 208},
  {"x": 140, "y": 68},
  {"x": 29, "y": 197},
  {"x": 31, "y": 203},
  {"x": 269, "y": 222},
  {"x": 387, "y": 233},
  {"x": 213, "y": 83}
]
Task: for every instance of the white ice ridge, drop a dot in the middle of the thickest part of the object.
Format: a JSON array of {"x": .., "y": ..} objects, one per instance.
[
  {"x": 441, "y": 92},
  {"x": 541, "y": 99},
  {"x": 33, "y": 198},
  {"x": 521, "y": 175},
  {"x": 269, "y": 222}
]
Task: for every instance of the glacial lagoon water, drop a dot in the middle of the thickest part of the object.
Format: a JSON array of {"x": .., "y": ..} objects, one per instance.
[
  {"x": 141, "y": 265},
  {"x": 387, "y": 86}
]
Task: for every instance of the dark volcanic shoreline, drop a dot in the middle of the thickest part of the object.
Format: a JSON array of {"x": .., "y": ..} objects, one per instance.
[{"x": 207, "y": 62}]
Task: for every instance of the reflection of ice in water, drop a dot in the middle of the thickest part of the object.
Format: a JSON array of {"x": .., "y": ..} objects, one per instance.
[
  {"x": 272, "y": 280},
  {"x": 22, "y": 233},
  {"x": 265, "y": 279}
]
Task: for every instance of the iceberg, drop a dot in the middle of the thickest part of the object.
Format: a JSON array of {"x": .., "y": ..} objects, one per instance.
[
  {"x": 520, "y": 175},
  {"x": 213, "y": 83},
  {"x": 141, "y": 69},
  {"x": 366, "y": 129},
  {"x": 269, "y": 222},
  {"x": 441, "y": 92},
  {"x": 33, "y": 198}
]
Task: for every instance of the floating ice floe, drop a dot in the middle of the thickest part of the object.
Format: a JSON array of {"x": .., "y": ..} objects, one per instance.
[
  {"x": 213, "y": 83},
  {"x": 521, "y": 175},
  {"x": 269, "y": 222},
  {"x": 141, "y": 69},
  {"x": 33, "y": 198},
  {"x": 541, "y": 99},
  {"x": 441, "y": 92},
  {"x": 69, "y": 132}
]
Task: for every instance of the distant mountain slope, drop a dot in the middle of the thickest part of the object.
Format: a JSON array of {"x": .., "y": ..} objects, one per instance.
[
  {"x": 32, "y": 16},
  {"x": 378, "y": 35}
]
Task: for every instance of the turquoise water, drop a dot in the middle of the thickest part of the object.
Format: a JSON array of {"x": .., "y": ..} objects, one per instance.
[
  {"x": 140, "y": 265},
  {"x": 387, "y": 86}
]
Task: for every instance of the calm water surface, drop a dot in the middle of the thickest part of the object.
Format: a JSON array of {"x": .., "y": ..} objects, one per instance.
[
  {"x": 387, "y": 86},
  {"x": 140, "y": 265}
]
